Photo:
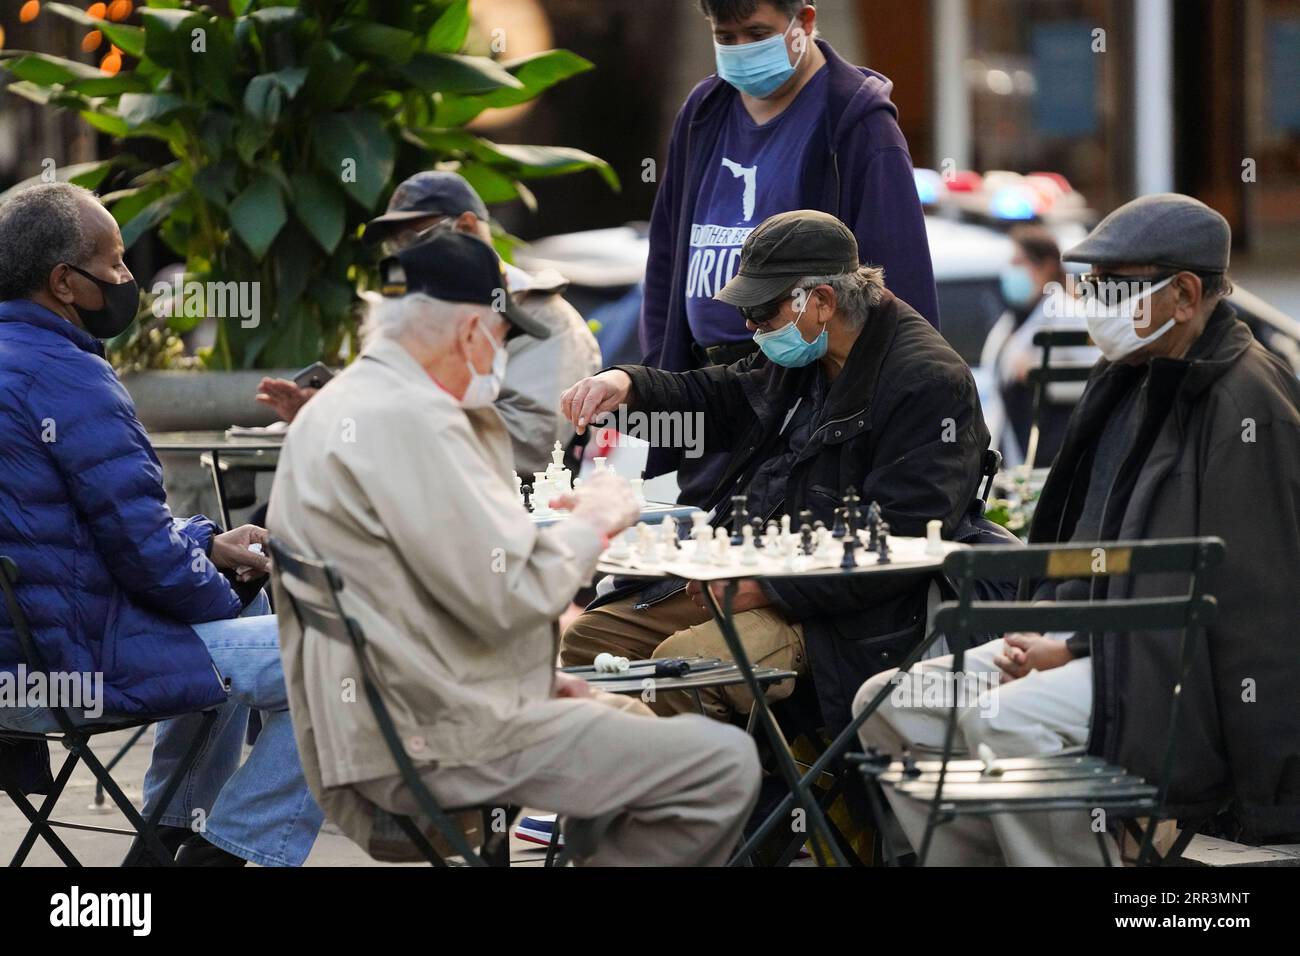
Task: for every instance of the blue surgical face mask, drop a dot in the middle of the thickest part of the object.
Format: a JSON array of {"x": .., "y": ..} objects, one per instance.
[
  {"x": 787, "y": 348},
  {"x": 758, "y": 69},
  {"x": 1017, "y": 286}
]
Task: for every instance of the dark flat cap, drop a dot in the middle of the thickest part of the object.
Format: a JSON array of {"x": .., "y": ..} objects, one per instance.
[
  {"x": 1164, "y": 229},
  {"x": 430, "y": 193},
  {"x": 786, "y": 248}
]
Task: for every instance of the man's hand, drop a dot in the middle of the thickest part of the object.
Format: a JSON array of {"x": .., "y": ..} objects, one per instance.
[
  {"x": 595, "y": 396},
  {"x": 1031, "y": 652},
  {"x": 566, "y": 685},
  {"x": 605, "y": 501},
  {"x": 284, "y": 397},
  {"x": 230, "y": 552},
  {"x": 749, "y": 595}
]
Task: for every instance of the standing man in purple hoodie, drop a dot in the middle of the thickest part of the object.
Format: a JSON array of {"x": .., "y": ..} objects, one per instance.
[{"x": 785, "y": 124}]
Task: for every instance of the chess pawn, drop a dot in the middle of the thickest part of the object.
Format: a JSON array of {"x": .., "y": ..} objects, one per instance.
[
  {"x": 721, "y": 547},
  {"x": 527, "y": 492},
  {"x": 805, "y": 538},
  {"x": 785, "y": 527},
  {"x": 882, "y": 543},
  {"x": 702, "y": 535},
  {"x": 748, "y": 552},
  {"x": 756, "y": 525},
  {"x": 638, "y": 488},
  {"x": 601, "y": 465},
  {"x": 668, "y": 538},
  {"x": 647, "y": 542},
  {"x": 618, "y": 549},
  {"x": 772, "y": 542},
  {"x": 824, "y": 539},
  {"x": 934, "y": 537},
  {"x": 541, "y": 493},
  {"x": 849, "y": 562}
]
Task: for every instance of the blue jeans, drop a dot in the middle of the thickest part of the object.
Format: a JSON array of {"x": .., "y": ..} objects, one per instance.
[{"x": 262, "y": 810}]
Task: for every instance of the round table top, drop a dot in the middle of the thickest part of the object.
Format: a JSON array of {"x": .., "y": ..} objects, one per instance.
[
  {"x": 907, "y": 555},
  {"x": 201, "y": 441}
]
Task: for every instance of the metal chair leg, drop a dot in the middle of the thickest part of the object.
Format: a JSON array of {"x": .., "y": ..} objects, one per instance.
[
  {"x": 44, "y": 828},
  {"x": 117, "y": 758}
]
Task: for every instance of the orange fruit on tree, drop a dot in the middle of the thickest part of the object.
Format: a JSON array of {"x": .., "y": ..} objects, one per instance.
[
  {"x": 97, "y": 10},
  {"x": 29, "y": 11},
  {"x": 111, "y": 64},
  {"x": 91, "y": 41},
  {"x": 119, "y": 9}
]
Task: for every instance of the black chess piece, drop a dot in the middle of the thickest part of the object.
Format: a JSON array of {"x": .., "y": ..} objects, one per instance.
[
  {"x": 852, "y": 514},
  {"x": 756, "y": 523},
  {"x": 882, "y": 543},
  {"x": 806, "y": 537},
  {"x": 739, "y": 518},
  {"x": 839, "y": 530},
  {"x": 527, "y": 492},
  {"x": 850, "y": 561},
  {"x": 873, "y": 525}
]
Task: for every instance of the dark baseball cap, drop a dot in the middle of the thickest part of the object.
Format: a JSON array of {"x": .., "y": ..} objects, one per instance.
[
  {"x": 430, "y": 193},
  {"x": 456, "y": 267},
  {"x": 786, "y": 248},
  {"x": 1164, "y": 229}
]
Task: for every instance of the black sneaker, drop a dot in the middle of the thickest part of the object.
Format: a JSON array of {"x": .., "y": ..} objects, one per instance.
[
  {"x": 197, "y": 851},
  {"x": 170, "y": 837}
]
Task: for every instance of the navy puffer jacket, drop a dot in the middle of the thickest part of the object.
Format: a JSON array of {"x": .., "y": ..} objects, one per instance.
[{"x": 110, "y": 581}]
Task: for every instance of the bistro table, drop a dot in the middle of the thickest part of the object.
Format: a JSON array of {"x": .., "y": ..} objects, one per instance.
[
  {"x": 911, "y": 561},
  {"x": 252, "y": 453}
]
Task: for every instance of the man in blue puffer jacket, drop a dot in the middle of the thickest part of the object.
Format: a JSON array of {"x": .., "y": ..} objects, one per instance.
[{"x": 115, "y": 588}]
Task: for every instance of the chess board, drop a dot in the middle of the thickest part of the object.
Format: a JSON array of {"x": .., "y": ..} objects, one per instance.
[
  {"x": 652, "y": 512},
  {"x": 738, "y": 562}
]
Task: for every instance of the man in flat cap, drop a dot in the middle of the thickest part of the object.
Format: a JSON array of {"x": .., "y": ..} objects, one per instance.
[
  {"x": 851, "y": 389},
  {"x": 1188, "y": 427}
]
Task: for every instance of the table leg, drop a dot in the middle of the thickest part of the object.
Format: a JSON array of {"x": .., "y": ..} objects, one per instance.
[
  {"x": 799, "y": 791},
  {"x": 219, "y": 486}
]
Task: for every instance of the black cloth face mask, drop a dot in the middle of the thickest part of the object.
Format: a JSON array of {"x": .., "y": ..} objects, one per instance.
[{"x": 121, "y": 304}]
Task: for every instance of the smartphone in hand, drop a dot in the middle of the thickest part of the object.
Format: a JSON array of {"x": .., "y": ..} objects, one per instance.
[{"x": 313, "y": 376}]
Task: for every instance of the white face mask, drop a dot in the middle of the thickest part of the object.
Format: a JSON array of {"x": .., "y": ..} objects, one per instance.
[
  {"x": 1112, "y": 328},
  {"x": 484, "y": 388}
]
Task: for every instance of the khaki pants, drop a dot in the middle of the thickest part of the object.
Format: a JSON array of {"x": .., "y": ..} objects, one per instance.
[
  {"x": 677, "y": 627},
  {"x": 642, "y": 792}
]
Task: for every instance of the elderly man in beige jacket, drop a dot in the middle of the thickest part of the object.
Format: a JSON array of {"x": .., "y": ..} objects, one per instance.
[{"x": 399, "y": 473}]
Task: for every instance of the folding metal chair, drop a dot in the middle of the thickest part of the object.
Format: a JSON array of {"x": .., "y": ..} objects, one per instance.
[
  {"x": 313, "y": 587},
  {"x": 77, "y": 741},
  {"x": 1058, "y": 783},
  {"x": 1047, "y": 373}
]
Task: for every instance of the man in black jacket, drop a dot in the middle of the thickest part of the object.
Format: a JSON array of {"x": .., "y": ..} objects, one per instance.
[
  {"x": 1188, "y": 427},
  {"x": 852, "y": 389}
]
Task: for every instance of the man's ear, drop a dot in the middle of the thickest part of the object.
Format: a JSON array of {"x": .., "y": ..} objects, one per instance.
[
  {"x": 1187, "y": 296},
  {"x": 60, "y": 283}
]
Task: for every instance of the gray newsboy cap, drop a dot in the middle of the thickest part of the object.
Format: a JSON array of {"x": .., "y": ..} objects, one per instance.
[{"x": 1165, "y": 229}]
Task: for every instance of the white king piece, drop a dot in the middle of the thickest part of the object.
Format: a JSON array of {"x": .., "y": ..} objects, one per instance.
[{"x": 560, "y": 478}]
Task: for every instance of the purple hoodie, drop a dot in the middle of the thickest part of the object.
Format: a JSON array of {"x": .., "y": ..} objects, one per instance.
[{"x": 857, "y": 167}]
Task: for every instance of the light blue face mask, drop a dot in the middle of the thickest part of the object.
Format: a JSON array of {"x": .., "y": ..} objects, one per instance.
[
  {"x": 788, "y": 348},
  {"x": 1017, "y": 286},
  {"x": 758, "y": 69}
]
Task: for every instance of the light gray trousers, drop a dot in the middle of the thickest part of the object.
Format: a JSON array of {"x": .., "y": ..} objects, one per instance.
[{"x": 672, "y": 791}]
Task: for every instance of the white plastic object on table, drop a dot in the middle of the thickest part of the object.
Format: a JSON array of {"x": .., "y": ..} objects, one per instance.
[{"x": 609, "y": 664}]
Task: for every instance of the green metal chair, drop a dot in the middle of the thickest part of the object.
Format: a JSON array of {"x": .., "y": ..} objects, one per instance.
[
  {"x": 1061, "y": 782},
  {"x": 76, "y": 738},
  {"x": 313, "y": 587}
]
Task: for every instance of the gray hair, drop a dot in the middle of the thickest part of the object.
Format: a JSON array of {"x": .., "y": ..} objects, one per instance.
[
  {"x": 856, "y": 293},
  {"x": 416, "y": 314},
  {"x": 40, "y": 226}
]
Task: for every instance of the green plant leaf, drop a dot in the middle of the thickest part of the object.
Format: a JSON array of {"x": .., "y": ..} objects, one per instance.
[
  {"x": 105, "y": 121},
  {"x": 148, "y": 217},
  {"x": 30, "y": 91},
  {"x": 491, "y": 184},
  {"x": 368, "y": 40},
  {"x": 124, "y": 82},
  {"x": 137, "y": 109},
  {"x": 449, "y": 32},
  {"x": 321, "y": 207},
  {"x": 262, "y": 99},
  {"x": 536, "y": 73},
  {"x": 89, "y": 175},
  {"x": 534, "y": 162},
  {"x": 355, "y": 150},
  {"x": 217, "y": 182},
  {"x": 290, "y": 80},
  {"x": 257, "y": 215},
  {"x": 166, "y": 41},
  {"x": 128, "y": 38},
  {"x": 452, "y": 73},
  {"x": 46, "y": 70},
  {"x": 331, "y": 75}
]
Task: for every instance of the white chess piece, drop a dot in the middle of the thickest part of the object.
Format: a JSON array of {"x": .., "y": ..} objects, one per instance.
[
  {"x": 541, "y": 493},
  {"x": 559, "y": 475},
  {"x": 643, "y": 538},
  {"x": 606, "y": 663},
  {"x": 934, "y": 537},
  {"x": 638, "y": 488},
  {"x": 601, "y": 465},
  {"x": 668, "y": 537},
  {"x": 772, "y": 541},
  {"x": 701, "y": 535},
  {"x": 785, "y": 527},
  {"x": 791, "y": 544},
  {"x": 748, "y": 553},
  {"x": 618, "y": 549},
  {"x": 721, "y": 547},
  {"x": 824, "y": 539}
]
